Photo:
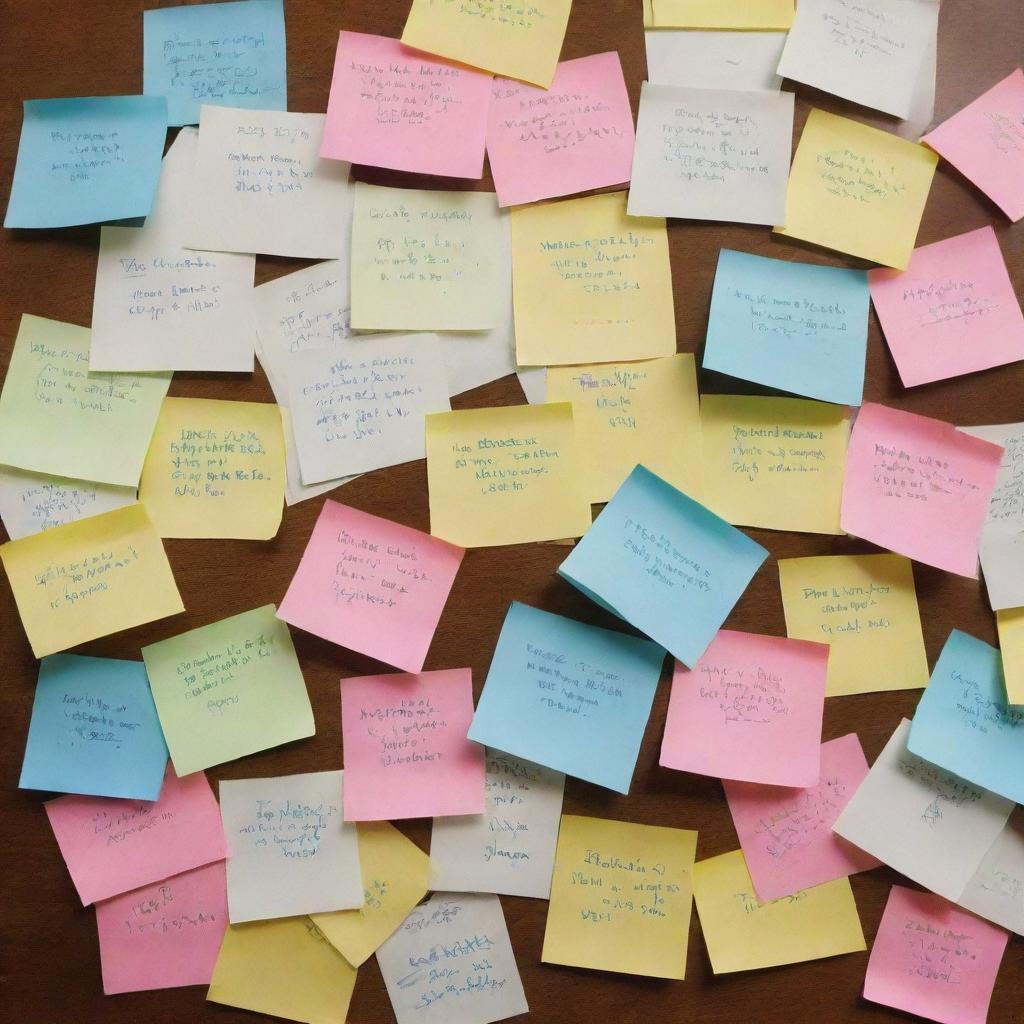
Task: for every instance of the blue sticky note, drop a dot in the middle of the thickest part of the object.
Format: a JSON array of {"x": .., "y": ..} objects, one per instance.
[
  {"x": 963, "y": 723},
  {"x": 570, "y": 696},
  {"x": 227, "y": 55},
  {"x": 664, "y": 563},
  {"x": 87, "y": 160},
  {"x": 94, "y": 730},
  {"x": 792, "y": 326}
]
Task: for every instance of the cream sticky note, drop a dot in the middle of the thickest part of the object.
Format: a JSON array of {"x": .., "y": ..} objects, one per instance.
[
  {"x": 857, "y": 190},
  {"x": 1010, "y": 623},
  {"x": 736, "y": 14},
  {"x": 744, "y": 935},
  {"x": 627, "y": 413},
  {"x": 505, "y": 475},
  {"x": 57, "y": 417},
  {"x": 714, "y": 60},
  {"x": 621, "y": 897},
  {"x": 776, "y": 463},
  {"x": 90, "y": 578},
  {"x": 590, "y": 284},
  {"x": 215, "y": 469},
  {"x": 995, "y": 891}
]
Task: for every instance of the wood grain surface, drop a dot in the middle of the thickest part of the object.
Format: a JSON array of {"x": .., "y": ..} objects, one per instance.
[{"x": 50, "y": 968}]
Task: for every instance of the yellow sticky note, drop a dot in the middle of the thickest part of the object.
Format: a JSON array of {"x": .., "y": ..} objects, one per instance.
[
  {"x": 589, "y": 283},
  {"x": 517, "y": 39},
  {"x": 285, "y": 968},
  {"x": 865, "y": 608},
  {"x": 857, "y": 189},
  {"x": 396, "y": 875},
  {"x": 777, "y": 463},
  {"x": 215, "y": 469},
  {"x": 648, "y": 13},
  {"x": 90, "y": 578},
  {"x": 744, "y": 935},
  {"x": 762, "y": 15},
  {"x": 505, "y": 476},
  {"x": 1010, "y": 623},
  {"x": 621, "y": 897},
  {"x": 627, "y": 413}
]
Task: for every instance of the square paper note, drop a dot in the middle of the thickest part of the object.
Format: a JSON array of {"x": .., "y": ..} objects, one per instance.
[
  {"x": 714, "y": 60},
  {"x": 994, "y": 892},
  {"x": 1010, "y": 625}
]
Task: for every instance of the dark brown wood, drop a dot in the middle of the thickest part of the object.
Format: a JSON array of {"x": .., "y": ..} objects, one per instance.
[{"x": 50, "y": 968}]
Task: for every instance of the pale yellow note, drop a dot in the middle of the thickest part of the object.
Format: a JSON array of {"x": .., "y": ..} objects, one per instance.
[
  {"x": 761, "y": 15},
  {"x": 621, "y": 897},
  {"x": 396, "y": 875},
  {"x": 515, "y": 38},
  {"x": 589, "y": 283},
  {"x": 776, "y": 463},
  {"x": 284, "y": 968},
  {"x": 1010, "y": 622},
  {"x": 90, "y": 578},
  {"x": 743, "y": 935},
  {"x": 648, "y": 13},
  {"x": 857, "y": 189},
  {"x": 215, "y": 469},
  {"x": 508, "y": 475},
  {"x": 865, "y": 608}
]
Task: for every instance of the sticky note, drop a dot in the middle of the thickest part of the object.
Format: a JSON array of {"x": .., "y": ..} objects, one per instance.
[
  {"x": 590, "y": 284},
  {"x": 94, "y": 730},
  {"x": 260, "y": 186},
  {"x": 285, "y": 968},
  {"x": 1010, "y": 623},
  {"x": 163, "y": 935},
  {"x": 524, "y": 45},
  {"x": 857, "y": 189},
  {"x": 774, "y": 462},
  {"x": 575, "y": 136},
  {"x": 568, "y": 695},
  {"x": 627, "y": 413},
  {"x": 737, "y": 14},
  {"x": 922, "y": 820},
  {"x": 425, "y": 260},
  {"x": 664, "y": 563},
  {"x": 510, "y": 848},
  {"x": 786, "y": 833},
  {"x": 712, "y": 154},
  {"x": 228, "y": 689},
  {"x": 742, "y": 934},
  {"x": 57, "y": 417},
  {"x": 291, "y": 851},
  {"x": 89, "y": 579},
  {"x": 994, "y": 890},
  {"x": 215, "y": 469},
  {"x": 505, "y": 475},
  {"x": 953, "y": 310},
  {"x": 865, "y": 608},
  {"x": 396, "y": 875},
  {"x": 471, "y": 929},
  {"x": 985, "y": 143},
  {"x": 372, "y": 585},
  {"x": 405, "y": 746},
  {"x": 231, "y": 54},
  {"x": 797, "y": 327},
  {"x": 113, "y": 846},
  {"x": 933, "y": 960},
  {"x": 714, "y": 60},
  {"x": 919, "y": 487},
  {"x": 86, "y": 159}
]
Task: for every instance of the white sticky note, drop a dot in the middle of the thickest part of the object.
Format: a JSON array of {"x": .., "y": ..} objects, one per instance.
[
  {"x": 996, "y": 891},
  {"x": 714, "y": 60}
]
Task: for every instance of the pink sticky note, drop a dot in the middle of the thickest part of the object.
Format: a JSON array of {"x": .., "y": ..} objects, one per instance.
[
  {"x": 933, "y": 959},
  {"x": 918, "y": 486},
  {"x": 952, "y": 311},
  {"x": 372, "y": 585},
  {"x": 405, "y": 746},
  {"x": 786, "y": 834},
  {"x": 985, "y": 142},
  {"x": 391, "y": 106},
  {"x": 113, "y": 846},
  {"x": 164, "y": 935},
  {"x": 577, "y": 135},
  {"x": 749, "y": 709}
]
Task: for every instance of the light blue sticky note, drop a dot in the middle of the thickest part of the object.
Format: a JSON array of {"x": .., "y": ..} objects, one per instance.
[
  {"x": 87, "y": 160},
  {"x": 94, "y": 730},
  {"x": 963, "y": 723},
  {"x": 569, "y": 696},
  {"x": 792, "y": 326},
  {"x": 227, "y": 55},
  {"x": 664, "y": 563}
]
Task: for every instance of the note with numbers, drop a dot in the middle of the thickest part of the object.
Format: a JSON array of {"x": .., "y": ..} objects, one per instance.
[
  {"x": 714, "y": 59},
  {"x": 996, "y": 890}
]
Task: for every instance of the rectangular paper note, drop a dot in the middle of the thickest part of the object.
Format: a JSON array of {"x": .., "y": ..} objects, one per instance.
[
  {"x": 996, "y": 892},
  {"x": 714, "y": 60},
  {"x": 1010, "y": 623},
  {"x": 735, "y": 14}
]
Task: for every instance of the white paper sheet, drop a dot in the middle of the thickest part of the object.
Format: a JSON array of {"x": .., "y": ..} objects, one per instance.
[
  {"x": 922, "y": 101},
  {"x": 996, "y": 892},
  {"x": 714, "y": 60}
]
